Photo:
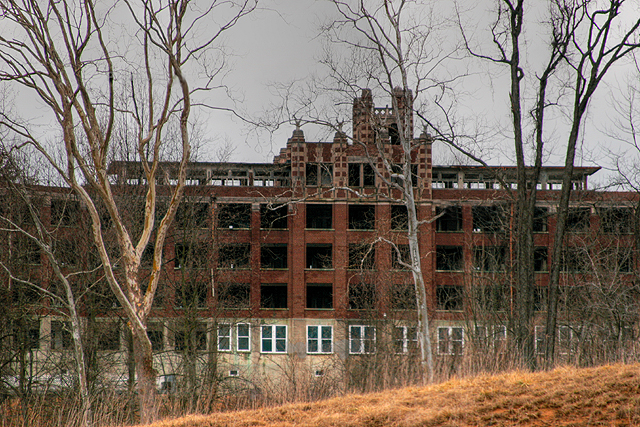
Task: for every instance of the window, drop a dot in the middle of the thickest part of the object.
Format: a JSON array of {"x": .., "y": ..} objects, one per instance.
[
  {"x": 234, "y": 215},
  {"x": 361, "y": 175},
  {"x": 243, "y": 341},
  {"x": 400, "y": 253},
  {"x": 273, "y": 256},
  {"x": 575, "y": 259},
  {"x": 320, "y": 256},
  {"x": 539, "y": 298},
  {"x": 25, "y": 251},
  {"x": 399, "y": 217},
  {"x": 489, "y": 258},
  {"x": 191, "y": 215},
  {"x": 540, "y": 216},
  {"x": 405, "y": 339},
  {"x": 403, "y": 296},
  {"x": 319, "y": 339},
  {"x": 188, "y": 255},
  {"x": 60, "y": 335},
  {"x": 191, "y": 338},
  {"x": 488, "y": 219},
  {"x": 540, "y": 339},
  {"x": 362, "y": 339},
  {"x": 273, "y": 295},
  {"x": 566, "y": 340},
  {"x": 319, "y": 216},
  {"x": 274, "y": 216},
  {"x": 273, "y": 339},
  {"x": 319, "y": 295},
  {"x": 191, "y": 294},
  {"x": 318, "y": 174},
  {"x": 578, "y": 220},
  {"x": 234, "y": 296},
  {"x": 445, "y": 180},
  {"x": 66, "y": 252},
  {"x": 64, "y": 212},
  {"x": 109, "y": 337},
  {"x": 449, "y": 297},
  {"x": 362, "y": 296},
  {"x": 362, "y": 217},
  {"x": 362, "y": 256},
  {"x": 449, "y": 219},
  {"x": 236, "y": 256},
  {"x": 394, "y": 134},
  {"x": 616, "y": 220},
  {"x": 490, "y": 298},
  {"x": 540, "y": 256},
  {"x": 450, "y": 340},
  {"x": 449, "y": 258},
  {"x": 491, "y": 336},
  {"x": 26, "y": 335},
  {"x": 155, "y": 332}
]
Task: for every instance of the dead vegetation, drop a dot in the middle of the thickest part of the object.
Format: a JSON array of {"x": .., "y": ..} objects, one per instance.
[{"x": 607, "y": 395}]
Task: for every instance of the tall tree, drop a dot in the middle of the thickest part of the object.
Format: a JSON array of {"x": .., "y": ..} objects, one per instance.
[{"x": 71, "y": 56}]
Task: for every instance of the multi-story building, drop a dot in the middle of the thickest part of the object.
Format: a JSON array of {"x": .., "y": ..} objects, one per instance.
[{"x": 268, "y": 260}]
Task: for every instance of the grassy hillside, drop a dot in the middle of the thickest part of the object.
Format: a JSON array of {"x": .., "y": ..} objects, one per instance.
[{"x": 608, "y": 395}]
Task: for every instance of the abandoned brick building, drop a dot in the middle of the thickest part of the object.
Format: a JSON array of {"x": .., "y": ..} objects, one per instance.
[{"x": 290, "y": 257}]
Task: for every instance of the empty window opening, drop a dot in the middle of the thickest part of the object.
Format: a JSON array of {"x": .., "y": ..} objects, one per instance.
[
  {"x": 234, "y": 296},
  {"x": 362, "y": 217},
  {"x": 191, "y": 294},
  {"x": 236, "y": 256},
  {"x": 191, "y": 215},
  {"x": 273, "y": 295},
  {"x": 319, "y": 216},
  {"x": 450, "y": 297},
  {"x": 394, "y": 135},
  {"x": 449, "y": 258},
  {"x": 449, "y": 219},
  {"x": 188, "y": 255},
  {"x": 361, "y": 256},
  {"x": 64, "y": 212},
  {"x": 488, "y": 219},
  {"x": 540, "y": 298},
  {"x": 399, "y": 217},
  {"x": 540, "y": 262},
  {"x": 320, "y": 256},
  {"x": 362, "y": 296},
  {"x": 361, "y": 175},
  {"x": 575, "y": 259},
  {"x": 319, "y": 295},
  {"x": 578, "y": 220},
  {"x": 490, "y": 298},
  {"x": 319, "y": 174},
  {"x": 489, "y": 258},
  {"x": 540, "y": 216},
  {"x": 616, "y": 220},
  {"x": 403, "y": 296},
  {"x": 234, "y": 215},
  {"x": 274, "y": 217},
  {"x": 273, "y": 256}
]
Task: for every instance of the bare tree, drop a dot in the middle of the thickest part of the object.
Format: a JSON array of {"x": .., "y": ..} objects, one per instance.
[{"x": 63, "y": 53}]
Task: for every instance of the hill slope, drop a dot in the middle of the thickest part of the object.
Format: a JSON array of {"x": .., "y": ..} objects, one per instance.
[{"x": 608, "y": 395}]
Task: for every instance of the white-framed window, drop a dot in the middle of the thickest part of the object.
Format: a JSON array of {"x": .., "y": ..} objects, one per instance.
[
  {"x": 224, "y": 337},
  {"x": 450, "y": 340},
  {"x": 405, "y": 339},
  {"x": 494, "y": 335},
  {"x": 319, "y": 339},
  {"x": 362, "y": 339},
  {"x": 273, "y": 338},
  {"x": 243, "y": 337},
  {"x": 540, "y": 340}
]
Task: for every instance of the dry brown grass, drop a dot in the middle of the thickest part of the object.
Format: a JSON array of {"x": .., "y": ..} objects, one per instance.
[{"x": 608, "y": 395}]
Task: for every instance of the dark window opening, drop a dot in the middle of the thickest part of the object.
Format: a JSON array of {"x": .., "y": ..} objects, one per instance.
[
  {"x": 488, "y": 219},
  {"x": 319, "y": 216},
  {"x": 362, "y": 217},
  {"x": 451, "y": 219},
  {"x": 156, "y": 336},
  {"x": 273, "y": 295},
  {"x": 489, "y": 258},
  {"x": 60, "y": 335},
  {"x": 234, "y": 215},
  {"x": 449, "y": 298},
  {"x": 575, "y": 259},
  {"x": 361, "y": 175},
  {"x": 273, "y": 256},
  {"x": 188, "y": 255},
  {"x": 109, "y": 337},
  {"x": 361, "y": 256},
  {"x": 192, "y": 215},
  {"x": 234, "y": 256},
  {"x": 192, "y": 294},
  {"x": 616, "y": 220},
  {"x": 403, "y": 297},
  {"x": 193, "y": 338},
  {"x": 319, "y": 174},
  {"x": 540, "y": 256},
  {"x": 312, "y": 174},
  {"x": 319, "y": 295},
  {"x": 449, "y": 258},
  {"x": 394, "y": 135},
  {"x": 540, "y": 216},
  {"x": 362, "y": 296},
  {"x": 272, "y": 216},
  {"x": 25, "y": 251},
  {"x": 539, "y": 298},
  {"x": 490, "y": 298},
  {"x": 64, "y": 212},
  {"x": 368, "y": 175},
  {"x": 399, "y": 217},
  {"x": 398, "y": 254},
  {"x": 320, "y": 256},
  {"x": 234, "y": 295},
  {"x": 618, "y": 259},
  {"x": 578, "y": 220}
]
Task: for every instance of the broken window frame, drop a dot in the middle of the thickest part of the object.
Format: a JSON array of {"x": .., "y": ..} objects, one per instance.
[
  {"x": 319, "y": 296},
  {"x": 272, "y": 296}
]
